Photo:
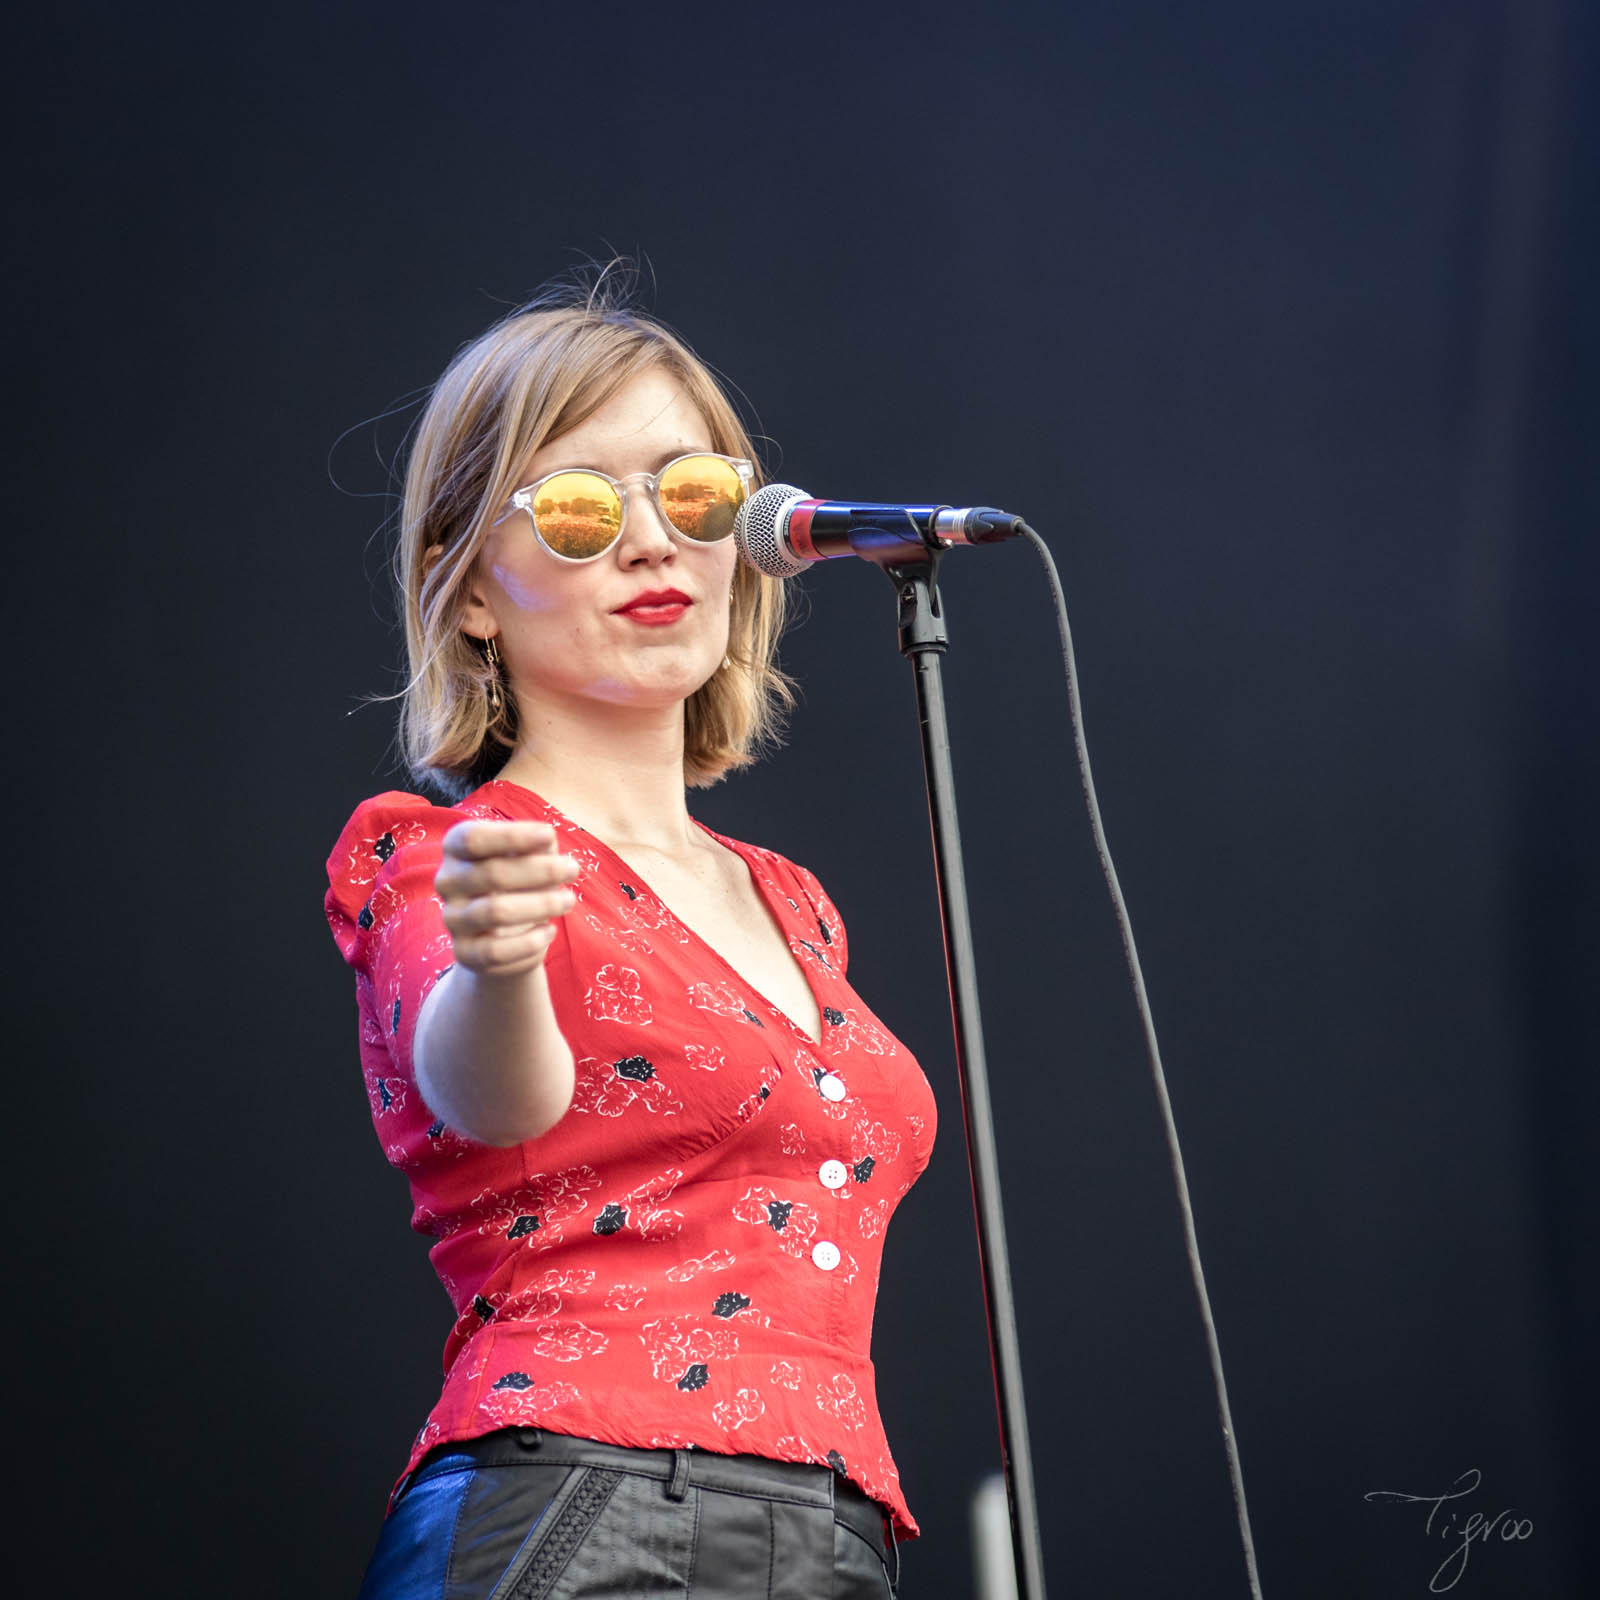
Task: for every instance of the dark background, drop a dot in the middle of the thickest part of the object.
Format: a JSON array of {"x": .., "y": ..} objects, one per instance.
[{"x": 1276, "y": 319}]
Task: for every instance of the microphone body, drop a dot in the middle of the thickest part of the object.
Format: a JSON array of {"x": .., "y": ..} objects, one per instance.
[{"x": 781, "y": 530}]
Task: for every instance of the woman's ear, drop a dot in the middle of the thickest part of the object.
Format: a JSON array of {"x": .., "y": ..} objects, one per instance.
[{"x": 475, "y": 616}]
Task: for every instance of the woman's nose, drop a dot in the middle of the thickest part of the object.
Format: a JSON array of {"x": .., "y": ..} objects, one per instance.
[{"x": 644, "y": 530}]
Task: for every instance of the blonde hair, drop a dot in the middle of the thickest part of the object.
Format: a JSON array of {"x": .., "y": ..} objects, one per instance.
[{"x": 532, "y": 376}]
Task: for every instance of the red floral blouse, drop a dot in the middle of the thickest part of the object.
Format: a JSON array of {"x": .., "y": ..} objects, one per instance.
[{"x": 690, "y": 1256}]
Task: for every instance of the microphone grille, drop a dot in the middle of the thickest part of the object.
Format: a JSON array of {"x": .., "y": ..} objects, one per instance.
[{"x": 759, "y": 529}]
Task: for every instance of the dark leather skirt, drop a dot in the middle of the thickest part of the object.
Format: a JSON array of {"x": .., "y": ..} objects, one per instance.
[{"x": 523, "y": 1514}]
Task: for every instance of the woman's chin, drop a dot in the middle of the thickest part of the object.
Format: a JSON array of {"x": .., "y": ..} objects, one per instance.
[{"x": 669, "y": 685}]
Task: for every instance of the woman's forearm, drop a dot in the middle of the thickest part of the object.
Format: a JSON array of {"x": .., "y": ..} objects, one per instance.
[{"x": 490, "y": 1057}]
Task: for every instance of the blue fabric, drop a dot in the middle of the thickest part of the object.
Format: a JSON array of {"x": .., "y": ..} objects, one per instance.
[{"x": 412, "y": 1561}]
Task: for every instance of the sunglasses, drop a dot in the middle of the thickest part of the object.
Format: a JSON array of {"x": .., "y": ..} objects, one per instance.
[{"x": 577, "y": 513}]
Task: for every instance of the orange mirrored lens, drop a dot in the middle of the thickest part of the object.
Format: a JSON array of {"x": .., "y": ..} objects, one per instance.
[
  {"x": 700, "y": 496},
  {"x": 578, "y": 514}
]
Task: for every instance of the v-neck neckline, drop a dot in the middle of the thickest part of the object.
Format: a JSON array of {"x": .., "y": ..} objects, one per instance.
[{"x": 705, "y": 944}]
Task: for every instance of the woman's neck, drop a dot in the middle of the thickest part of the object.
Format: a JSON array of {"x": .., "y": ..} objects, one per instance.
[{"x": 618, "y": 775}]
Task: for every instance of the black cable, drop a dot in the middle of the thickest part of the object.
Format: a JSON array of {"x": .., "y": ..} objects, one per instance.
[{"x": 1153, "y": 1050}]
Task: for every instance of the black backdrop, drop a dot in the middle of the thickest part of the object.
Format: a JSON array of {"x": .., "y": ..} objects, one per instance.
[{"x": 1276, "y": 319}]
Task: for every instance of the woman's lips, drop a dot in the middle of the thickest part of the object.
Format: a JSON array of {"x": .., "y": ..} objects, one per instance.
[
  {"x": 656, "y": 615},
  {"x": 655, "y": 608}
]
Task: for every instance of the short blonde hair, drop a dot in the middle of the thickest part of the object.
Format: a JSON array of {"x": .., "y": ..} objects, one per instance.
[{"x": 535, "y": 374}]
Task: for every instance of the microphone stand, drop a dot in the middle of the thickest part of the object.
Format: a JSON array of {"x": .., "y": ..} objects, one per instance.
[{"x": 923, "y": 639}]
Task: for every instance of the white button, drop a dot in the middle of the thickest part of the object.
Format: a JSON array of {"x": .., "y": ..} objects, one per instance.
[
  {"x": 825, "y": 1255},
  {"x": 834, "y": 1174},
  {"x": 832, "y": 1088}
]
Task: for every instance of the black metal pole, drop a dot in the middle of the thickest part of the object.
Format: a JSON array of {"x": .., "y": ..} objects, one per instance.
[{"x": 923, "y": 639}]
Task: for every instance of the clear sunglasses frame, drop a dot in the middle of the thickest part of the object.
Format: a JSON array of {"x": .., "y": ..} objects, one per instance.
[{"x": 524, "y": 498}]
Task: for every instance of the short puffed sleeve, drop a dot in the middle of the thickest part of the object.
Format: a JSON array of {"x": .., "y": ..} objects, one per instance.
[{"x": 389, "y": 925}]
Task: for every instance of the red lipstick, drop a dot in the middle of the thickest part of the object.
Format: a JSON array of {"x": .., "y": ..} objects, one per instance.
[{"x": 655, "y": 607}]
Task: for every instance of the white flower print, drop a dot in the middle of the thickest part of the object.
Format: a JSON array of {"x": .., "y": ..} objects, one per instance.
[
  {"x": 807, "y": 950},
  {"x": 609, "y": 1088},
  {"x": 615, "y": 996},
  {"x": 652, "y": 1217},
  {"x": 560, "y": 1337},
  {"x": 793, "y": 1448},
  {"x": 787, "y": 1374},
  {"x": 704, "y": 1057},
  {"x": 745, "y": 1406},
  {"x": 387, "y": 1094},
  {"x": 515, "y": 1398},
  {"x": 713, "y": 1261},
  {"x": 839, "y": 1398},
  {"x": 855, "y": 1032},
  {"x": 719, "y": 998},
  {"x": 535, "y": 1213},
  {"x": 679, "y": 1349},
  {"x": 367, "y": 856},
  {"x": 792, "y": 1221},
  {"x": 630, "y": 939},
  {"x": 771, "y": 1072},
  {"x": 643, "y": 910},
  {"x": 873, "y": 1219},
  {"x": 869, "y": 1138}
]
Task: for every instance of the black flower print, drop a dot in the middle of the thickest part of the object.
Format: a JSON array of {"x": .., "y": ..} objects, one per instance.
[
  {"x": 862, "y": 1170},
  {"x": 435, "y": 1129},
  {"x": 612, "y": 1219},
  {"x": 482, "y": 1307},
  {"x": 536, "y": 1213},
  {"x": 611, "y": 1088},
  {"x": 793, "y": 1223},
  {"x": 383, "y": 847},
  {"x": 832, "y": 1016},
  {"x": 629, "y": 890},
  {"x": 364, "y": 917},
  {"x": 836, "y": 1461},
  {"x": 385, "y": 1098},
  {"x": 394, "y": 1018},
  {"x": 750, "y": 1016},
  {"x": 679, "y": 1349},
  {"x": 825, "y": 931},
  {"x": 816, "y": 954},
  {"x": 730, "y": 1304},
  {"x": 514, "y": 1380}
]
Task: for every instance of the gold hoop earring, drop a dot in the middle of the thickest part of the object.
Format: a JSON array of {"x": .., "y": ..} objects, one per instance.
[{"x": 497, "y": 700}]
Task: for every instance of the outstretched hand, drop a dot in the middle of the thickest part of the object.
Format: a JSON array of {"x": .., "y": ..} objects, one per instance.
[{"x": 504, "y": 887}]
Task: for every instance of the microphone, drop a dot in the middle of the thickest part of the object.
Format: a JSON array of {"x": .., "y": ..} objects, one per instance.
[{"x": 781, "y": 530}]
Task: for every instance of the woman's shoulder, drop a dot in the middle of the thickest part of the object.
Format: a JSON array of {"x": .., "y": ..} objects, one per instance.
[
  {"x": 387, "y": 829},
  {"x": 797, "y": 882},
  {"x": 386, "y": 823},
  {"x": 379, "y": 828}
]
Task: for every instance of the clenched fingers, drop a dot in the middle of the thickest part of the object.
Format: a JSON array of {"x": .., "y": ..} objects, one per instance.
[
  {"x": 505, "y": 910},
  {"x": 502, "y": 886},
  {"x": 504, "y": 953},
  {"x": 509, "y": 857},
  {"x": 479, "y": 839}
]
